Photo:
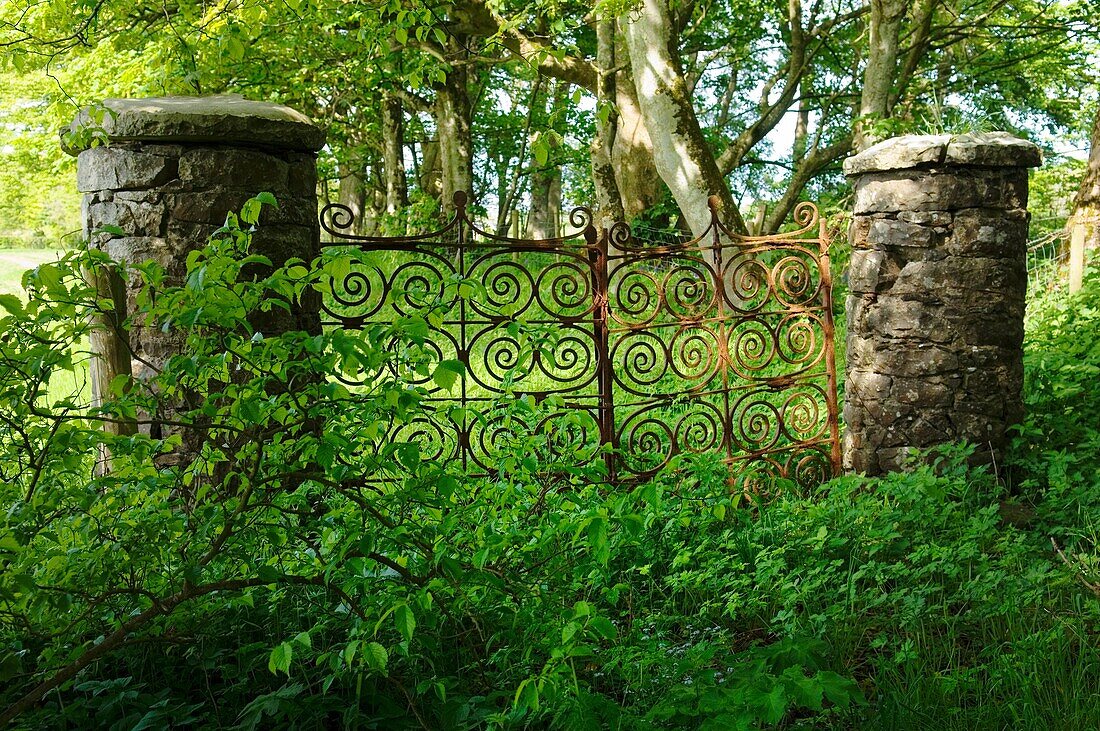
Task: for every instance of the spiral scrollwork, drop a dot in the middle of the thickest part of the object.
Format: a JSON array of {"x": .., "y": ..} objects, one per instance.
[
  {"x": 570, "y": 359},
  {"x": 498, "y": 356},
  {"x": 752, "y": 347},
  {"x": 415, "y": 285},
  {"x": 757, "y": 422},
  {"x": 361, "y": 292},
  {"x": 564, "y": 289},
  {"x": 801, "y": 340},
  {"x": 747, "y": 283},
  {"x": 433, "y": 353},
  {"x": 434, "y": 436},
  {"x": 572, "y": 436},
  {"x": 646, "y": 442},
  {"x": 700, "y": 430},
  {"x": 756, "y": 477},
  {"x": 619, "y": 235},
  {"x": 688, "y": 290},
  {"x": 805, "y": 216},
  {"x": 810, "y": 467},
  {"x": 635, "y": 296},
  {"x": 493, "y": 438},
  {"x": 695, "y": 354},
  {"x": 509, "y": 287},
  {"x": 794, "y": 280},
  {"x": 803, "y": 415},
  {"x": 337, "y": 219},
  {"x": 580, "y": 217},
  {"x": 640, "y": 360}
]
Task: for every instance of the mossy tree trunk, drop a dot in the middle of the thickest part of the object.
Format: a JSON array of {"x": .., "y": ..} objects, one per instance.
[
  {"x": 682, "y": 154},
  {"x": 1086, "y": 205}
]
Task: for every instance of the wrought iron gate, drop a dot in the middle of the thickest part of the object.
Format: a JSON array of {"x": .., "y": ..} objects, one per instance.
[{"x": 722, "y": 344}]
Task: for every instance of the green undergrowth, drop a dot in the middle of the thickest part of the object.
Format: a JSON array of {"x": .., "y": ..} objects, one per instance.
[{"x": 271, "y": 582}]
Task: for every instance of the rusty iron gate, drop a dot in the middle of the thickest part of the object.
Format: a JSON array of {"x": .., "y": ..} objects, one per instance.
[{"x": 638, "y": 352}]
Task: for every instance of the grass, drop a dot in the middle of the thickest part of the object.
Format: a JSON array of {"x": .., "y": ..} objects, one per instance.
[{"x": 13, "y": 262}]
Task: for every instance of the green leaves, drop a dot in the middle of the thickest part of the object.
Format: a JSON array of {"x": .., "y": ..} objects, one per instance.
[
  {"x": 372, "y": 654},
  {"x": 527, "y": 698},
  {"x": 312, "y": 512},
  {"x": 250, "y": 211},
  {"x": 447, "y": 373},
  {"x": 375, "y": 656},
  {"x": 282, "y": 654},
  {"x": 540, "y": 149},
  {"x": 405, "y": 621},
  {"x": 235, "y": 47},
  {"x": 279, "y": 660},
  {"x": 603, "y": 627},
  {"x": 13, "y": 305}
]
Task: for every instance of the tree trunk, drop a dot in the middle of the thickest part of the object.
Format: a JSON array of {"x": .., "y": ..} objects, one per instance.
[
  {"x": 545, "y": 219},
  {"x": 431, "y": 177},
  {"x": 452, "y": 122},
  {"x": 682, "y": 155},
  {"x": 508, "y": 185},
  {"x": 609, "y": 202},
  {"x": 919, "y": 38},
  {"x": 1086, "y": 205},
  {"x": 884, "y": 33},
  {"x": 111, "y": 347},
  {"x": 802, "y": 121},
  {"x": 352, "y": 193},
  {"x": 640, "y": 185},
  {"x": 505, "y": 202},
  {"x": 771, "y": 111},
  {"x": 393, "y": 154},
  {"x": 805, "y": 169}
]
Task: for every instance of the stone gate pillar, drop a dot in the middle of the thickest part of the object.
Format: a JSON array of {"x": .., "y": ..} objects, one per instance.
[
  {"x": 936, "y": 310},
  {"x": 173, "y": 167}
]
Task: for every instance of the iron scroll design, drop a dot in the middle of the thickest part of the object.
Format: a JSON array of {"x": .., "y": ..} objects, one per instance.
[{"x": 722, "y": 344}]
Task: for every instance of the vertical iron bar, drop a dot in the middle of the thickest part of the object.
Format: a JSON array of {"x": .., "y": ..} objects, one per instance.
[
  {"x": 598, "y": 253},
  {"x": 829, "y": 332},
  {"x": 724, "y": 332},
  {"x": 464, "y": 446}
]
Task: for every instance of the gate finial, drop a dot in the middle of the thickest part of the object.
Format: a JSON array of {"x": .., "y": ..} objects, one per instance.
[
  {"x": 459, "y": 199},
  {"x": 714, "y": 203}
]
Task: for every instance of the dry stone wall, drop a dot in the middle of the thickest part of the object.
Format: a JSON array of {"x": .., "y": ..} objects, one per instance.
[
  {"x": 175, "y": 166},
  {"x": 937, "y": 280},
  {"x": 172, "y": 169}
]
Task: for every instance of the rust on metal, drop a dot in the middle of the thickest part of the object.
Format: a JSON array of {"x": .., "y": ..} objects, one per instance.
[{"x": 641, "y": 353}]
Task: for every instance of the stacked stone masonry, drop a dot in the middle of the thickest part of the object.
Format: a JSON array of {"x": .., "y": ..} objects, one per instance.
[
  {"x": 175, "y": 167},
  {"x": 937, "y": 285},
  {"x": 171, "y": 171}
]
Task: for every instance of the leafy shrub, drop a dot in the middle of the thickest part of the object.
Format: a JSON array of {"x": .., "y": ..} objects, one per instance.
[{"x": 268, "y": 558}]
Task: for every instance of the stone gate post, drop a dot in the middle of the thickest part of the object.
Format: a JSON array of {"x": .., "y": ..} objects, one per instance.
[
  {"x": 936, "y": 310},
  {"x": 173, "y": 167}
]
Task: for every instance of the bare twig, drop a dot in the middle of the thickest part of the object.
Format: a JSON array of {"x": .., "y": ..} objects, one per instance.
[{"x": 1076, "y": 568}]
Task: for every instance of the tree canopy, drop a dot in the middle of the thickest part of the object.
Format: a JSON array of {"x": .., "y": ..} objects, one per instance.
[{"x": 640, "y": 107}]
